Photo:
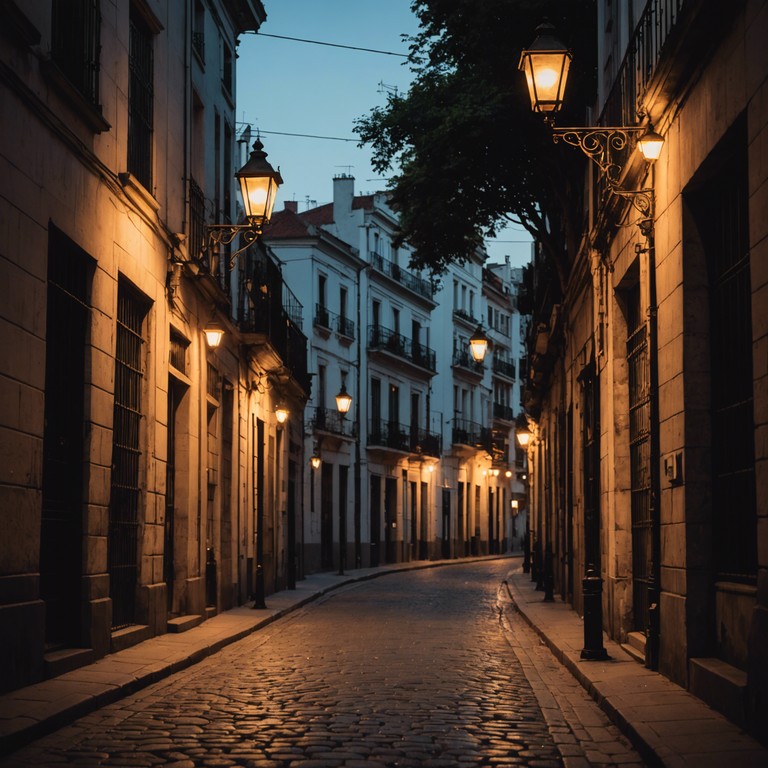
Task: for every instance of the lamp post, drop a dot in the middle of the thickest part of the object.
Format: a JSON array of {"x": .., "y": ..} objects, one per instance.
[
  {"x": 546, "y": 83},
  {"x": 343, "y": 404}
]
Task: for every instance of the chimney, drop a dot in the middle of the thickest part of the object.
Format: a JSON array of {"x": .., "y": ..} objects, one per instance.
[
  {"x": 292, "y": 205},
  {"x": 343, "y": 192}
]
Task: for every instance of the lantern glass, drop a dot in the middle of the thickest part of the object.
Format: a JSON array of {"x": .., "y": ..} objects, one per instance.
[
  {"x": 343, "y": 400},
  {"x": 651, "y": 144},
  {"x": 281, "y": 414},
  {"x": 523, "y": 437},
  {"x": 478, "y": 344},
  {"x": 545, "y": 65},
  {"x": 259, "y": 182},
  {"x": 213, "y": 334},
  {"x": 315, "y": 461}
]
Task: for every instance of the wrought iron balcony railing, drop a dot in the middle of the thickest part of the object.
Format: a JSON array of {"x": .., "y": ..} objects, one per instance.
[
  {"x": 380, "y": 338},
  {"x": 324, "y": 318},
  {"x": 462, "y": 359},
  {"x": 402, "y": 276},
  {"x": 504, "y": 367},
  {"x": 329, "y": 420},
  {"x": 644, "y": 51},
  {"x": 403, "y": 437},
  {"x": 464, "y": 315},
  {"x": 466, "y": 432},
  {"x": 505, "y": 412}
]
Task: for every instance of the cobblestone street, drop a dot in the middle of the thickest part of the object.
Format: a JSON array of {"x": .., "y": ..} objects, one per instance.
[{"x": 426, "y": 668}]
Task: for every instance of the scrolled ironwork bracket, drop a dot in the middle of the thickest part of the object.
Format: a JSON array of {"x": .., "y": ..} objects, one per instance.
[
  {"x": 600, "y": 144},
  {"x": 224, "y": 234}
]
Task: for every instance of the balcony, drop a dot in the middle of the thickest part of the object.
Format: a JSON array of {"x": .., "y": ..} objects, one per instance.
[
  {"x": 402, "y": 276},
  {"x": 464, "y": 362},
  {"x": 325, "y": 321},
  {"x": 394, "y": 344},
  {"x": 403, "y": 438},
  {"x": 329, "y": 421},
  {"x": 463, "y": 315},
  {"x": 503, "y": 412},
  {"x": 504, "y": 367},
  {"x": 470, "y": 434},
  {"x": 270, "y": 319}
]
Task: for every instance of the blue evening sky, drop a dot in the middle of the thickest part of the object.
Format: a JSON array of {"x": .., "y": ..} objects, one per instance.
[{"x": 284, "y": 86}]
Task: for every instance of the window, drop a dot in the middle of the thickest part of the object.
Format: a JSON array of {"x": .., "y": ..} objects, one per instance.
[
  {"x": 343, "y": 302},
  {"x": 321, "y": 285},
  {"x": 321, "y": 377},
  {"x": 125, "y": 498},
  {"x": 198, "y": 30},
  {"x": 75, "y": 41},
  {"x": 140, "y": 99}
]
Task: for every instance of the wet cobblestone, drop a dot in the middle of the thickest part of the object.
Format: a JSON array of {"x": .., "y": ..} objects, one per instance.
[{"x": 412, "y": 669}]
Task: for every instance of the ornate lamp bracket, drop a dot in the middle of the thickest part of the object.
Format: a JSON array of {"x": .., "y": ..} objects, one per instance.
[
  {"x": 601, "y": 145},
  {"x": 217, "y": 235}
]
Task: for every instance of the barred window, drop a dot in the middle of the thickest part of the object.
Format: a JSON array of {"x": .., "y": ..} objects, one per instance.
[
  {"x": 76, "y": 44},
  {"x": 140, "y": 100}
]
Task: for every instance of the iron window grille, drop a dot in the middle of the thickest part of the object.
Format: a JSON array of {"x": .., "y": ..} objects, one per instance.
[{"x": 76, "y": 45}]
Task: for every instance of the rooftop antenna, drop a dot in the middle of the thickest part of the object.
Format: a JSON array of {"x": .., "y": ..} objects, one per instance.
[
  {"x": 384, "y": 88},
  {"x": 348, "y": 167}
]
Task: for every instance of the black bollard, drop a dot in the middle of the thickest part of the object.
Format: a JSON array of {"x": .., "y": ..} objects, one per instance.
[
  {"x": 549, "y": 576},
  {"x": 592, "y": 585},
  {"x": 539, "y": 567},
  {"x": 210, "y": 577},
  {"x": 526, "y": 553}
]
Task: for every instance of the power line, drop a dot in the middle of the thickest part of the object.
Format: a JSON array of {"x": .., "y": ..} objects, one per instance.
[
  {"x": 299, "y": 135},
  {"x": 332, "y": 45}
]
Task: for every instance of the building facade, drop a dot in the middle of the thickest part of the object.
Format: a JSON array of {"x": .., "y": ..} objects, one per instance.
[
  {"x": 410, "y": 472},
  {"x": 647, "y": 386},
  {"x": 146, "y": 478}
]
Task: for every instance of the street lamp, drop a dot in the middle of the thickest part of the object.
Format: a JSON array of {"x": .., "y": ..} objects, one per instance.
[
  {"x": 545, "y": 65},
  {"x": 214, "y": 333},
  {"x": 478, "y": 343},
  {"x": 343, "y": 400},
  {"x": 259, "y": 182},
  {"x": 522, "y": 433},
  {"x": 281, "y": 413}
]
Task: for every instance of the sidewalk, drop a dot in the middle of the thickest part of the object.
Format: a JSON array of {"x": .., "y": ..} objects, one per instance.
[{"x": 666, "y": 724}]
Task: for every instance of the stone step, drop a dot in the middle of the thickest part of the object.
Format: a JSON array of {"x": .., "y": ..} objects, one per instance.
[
  {"x": 67, "y": 659},
  {"x": 183, "y": 623},
  {"x": 635, "y": 646}
]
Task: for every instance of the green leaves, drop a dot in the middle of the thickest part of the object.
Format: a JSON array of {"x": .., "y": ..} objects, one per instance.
[{"x": 471, "y": 155}]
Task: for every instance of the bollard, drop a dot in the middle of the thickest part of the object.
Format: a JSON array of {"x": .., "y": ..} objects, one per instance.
[
  {"x": 539, "y": 567},
  {"x": 549, "y": 576},
  {"x": 527, "y": 551},
  {"x": 210, "y": 577},
  {"x": 592, "y": 586}
]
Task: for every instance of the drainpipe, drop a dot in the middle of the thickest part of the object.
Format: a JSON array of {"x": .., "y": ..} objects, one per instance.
[{"x": 654, "y": 582}]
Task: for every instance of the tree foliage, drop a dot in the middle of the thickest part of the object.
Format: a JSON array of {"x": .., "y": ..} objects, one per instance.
[{"x": 471, "y": 154}]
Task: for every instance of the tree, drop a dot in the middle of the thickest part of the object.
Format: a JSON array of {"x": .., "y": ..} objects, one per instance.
[{"x": 471, "y": 154}]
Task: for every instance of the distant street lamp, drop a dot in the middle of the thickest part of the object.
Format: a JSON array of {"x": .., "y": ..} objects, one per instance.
[
  {"x": 478, "y": 343},
  {"x": 343, "y": 400}
]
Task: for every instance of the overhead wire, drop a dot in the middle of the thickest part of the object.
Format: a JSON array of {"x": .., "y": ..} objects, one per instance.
[{"x": 331, "y": 45}]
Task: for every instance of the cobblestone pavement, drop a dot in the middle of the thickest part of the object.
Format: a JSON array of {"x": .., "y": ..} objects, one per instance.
[{"x": 424, "y": 668}]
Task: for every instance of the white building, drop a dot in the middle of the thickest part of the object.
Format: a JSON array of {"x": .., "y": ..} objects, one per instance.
[{"x": 411, "y": 472}]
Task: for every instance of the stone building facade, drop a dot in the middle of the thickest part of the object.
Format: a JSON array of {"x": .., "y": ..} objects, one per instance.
[
  {"x": 140, "y": 464},
  {"x": 648, "y": 380}
]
